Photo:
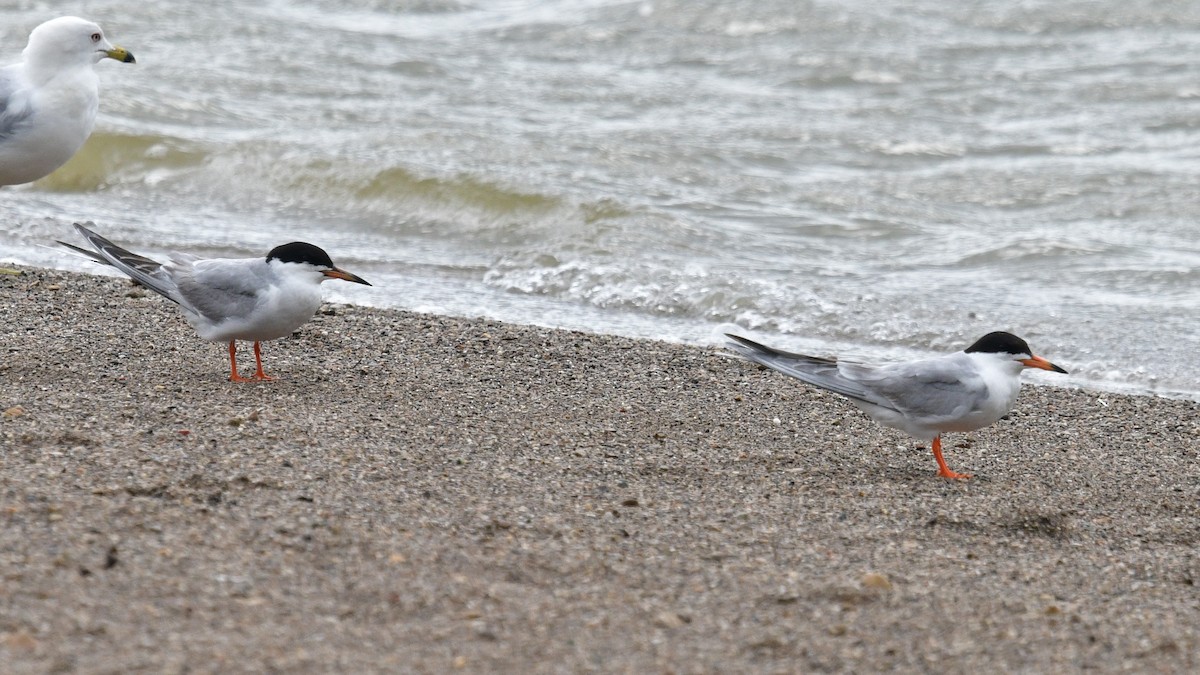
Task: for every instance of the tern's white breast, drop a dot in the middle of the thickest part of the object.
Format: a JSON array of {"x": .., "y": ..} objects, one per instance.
[{"x": 272, "y": 301}]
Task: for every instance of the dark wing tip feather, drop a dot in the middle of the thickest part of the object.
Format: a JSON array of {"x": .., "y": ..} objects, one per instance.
[
  {"x": 794, "y": 365},
  {"x": 141, "y": 269},
  {"x": 90, "y": 254},
  {"x": 107, "y": 248},
  {"x": 771, "y": 351}
]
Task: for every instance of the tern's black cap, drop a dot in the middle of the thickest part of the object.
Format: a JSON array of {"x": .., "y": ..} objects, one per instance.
[
  {"x": 301, "y": 252},
  {"x": 1000, "y": 343}
]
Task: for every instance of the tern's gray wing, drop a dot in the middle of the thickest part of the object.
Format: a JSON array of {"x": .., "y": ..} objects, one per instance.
[
  {"x": 824, "y": 373},
  {"x": 14, "y": 106},
  {"x": 946, "y": 386},
  {"x": 223, "y": 289},
  {"x": 147, "y": 272}
]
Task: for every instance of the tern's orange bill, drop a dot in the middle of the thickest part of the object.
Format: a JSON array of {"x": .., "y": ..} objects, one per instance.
[
  {"x": 1039, "y": 362},
  {"x": 335, "y": 273}
]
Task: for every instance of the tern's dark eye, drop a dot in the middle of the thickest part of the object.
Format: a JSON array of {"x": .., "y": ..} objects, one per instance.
[{"x": 95, "y": 37}]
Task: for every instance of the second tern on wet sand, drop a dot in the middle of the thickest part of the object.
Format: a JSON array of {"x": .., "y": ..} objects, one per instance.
[{"x": 964, "y": 391}]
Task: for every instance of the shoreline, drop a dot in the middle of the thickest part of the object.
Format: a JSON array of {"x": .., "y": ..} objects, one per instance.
[
  {"x": 1098, "y": 386},
  {"x": 431, "y": 493}
]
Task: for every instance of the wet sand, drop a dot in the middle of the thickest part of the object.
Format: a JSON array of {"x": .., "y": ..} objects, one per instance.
[{"x": 418, "y": 493}]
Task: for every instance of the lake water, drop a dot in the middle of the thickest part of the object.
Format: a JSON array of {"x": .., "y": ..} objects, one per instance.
[{"x": 881, "y": 179}]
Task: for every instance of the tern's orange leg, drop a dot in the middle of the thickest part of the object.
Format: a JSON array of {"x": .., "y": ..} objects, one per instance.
[
  {"x": 259, "y": 374},
  {"x": 943, "y": 470},
  {"x": 233, "y": 374}
]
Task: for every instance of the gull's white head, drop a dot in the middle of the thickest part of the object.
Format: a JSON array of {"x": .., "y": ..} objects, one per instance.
[{"x": 69, "y": 40}]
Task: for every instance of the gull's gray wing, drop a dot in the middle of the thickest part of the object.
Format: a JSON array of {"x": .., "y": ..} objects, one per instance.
[
  {"x": 14, "y": 102},
  {"x": 823, "y": 373},
  {"x": 946, "y": 386}
]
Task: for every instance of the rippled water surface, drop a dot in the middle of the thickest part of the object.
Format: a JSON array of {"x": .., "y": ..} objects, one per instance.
[{"x": 885, "y": 179}]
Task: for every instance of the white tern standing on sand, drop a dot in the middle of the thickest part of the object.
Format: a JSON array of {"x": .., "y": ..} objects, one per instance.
[
  {"x": 964, "y": 391},
  {"x": 230, "y": 299}
]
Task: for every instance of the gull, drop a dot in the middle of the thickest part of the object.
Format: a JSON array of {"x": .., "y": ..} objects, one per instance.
[
  {"x": 230, "y": 299},
  {"x": 964, "y": 391},
  {"x": 48, "y": 100}
]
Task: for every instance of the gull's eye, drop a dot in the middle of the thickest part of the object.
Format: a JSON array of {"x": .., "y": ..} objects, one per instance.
[{"x": 95, "y": 37}]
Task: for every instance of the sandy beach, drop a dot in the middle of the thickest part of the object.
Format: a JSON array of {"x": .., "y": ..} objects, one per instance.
[{"x": 424, "y": 494}]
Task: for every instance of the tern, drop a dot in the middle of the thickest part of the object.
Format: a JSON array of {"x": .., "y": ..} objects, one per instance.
[
  {"x": 231, "y": 299},
  {"x": 964, "y": 391},
  {"x": 48, "y": 100}
]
